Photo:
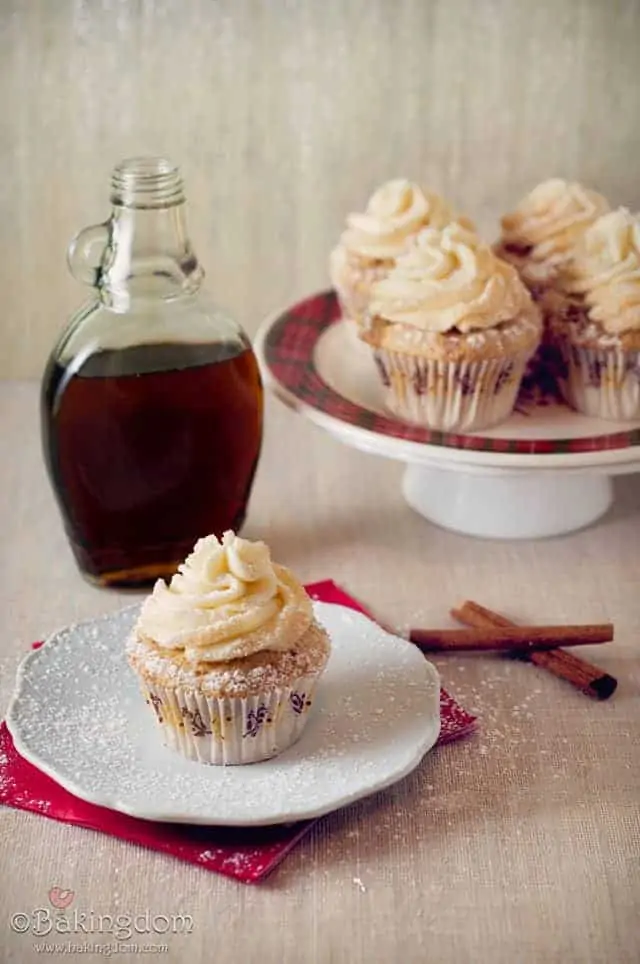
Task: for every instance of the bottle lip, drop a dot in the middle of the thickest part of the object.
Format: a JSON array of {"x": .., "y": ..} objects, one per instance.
[{"x": 146, "y": 182}]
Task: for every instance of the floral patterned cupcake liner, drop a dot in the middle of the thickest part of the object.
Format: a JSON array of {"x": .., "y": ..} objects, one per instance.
[
  {"x": 450, "y": 395},
  {"x": 231, "y": 730},
  {"x": 601, "y": 382}
]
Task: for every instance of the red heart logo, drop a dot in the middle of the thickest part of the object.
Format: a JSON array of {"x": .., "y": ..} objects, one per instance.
[{"x": 60, "y": 898}]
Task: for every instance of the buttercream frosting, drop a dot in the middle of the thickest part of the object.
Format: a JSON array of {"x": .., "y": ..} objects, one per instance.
[
  {"x": 394, "y": 214},
  {"x": 551, "y": 219},
  {"x": 606, "y": 271},
  {"x": 447, "y": 280},
  {"x": 227, "y": 601}
]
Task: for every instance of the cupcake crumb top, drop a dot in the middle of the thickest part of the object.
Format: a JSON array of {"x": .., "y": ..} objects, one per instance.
[{"x": 263, "y": 671}]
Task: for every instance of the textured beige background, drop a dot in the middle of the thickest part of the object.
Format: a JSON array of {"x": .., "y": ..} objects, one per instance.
[
  {"x": 284, "y": 114},
  {"x": 519, "y": 845}
]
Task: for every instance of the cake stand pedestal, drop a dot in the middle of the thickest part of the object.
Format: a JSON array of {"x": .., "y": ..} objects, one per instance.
[{"x": 506, "y": 505}]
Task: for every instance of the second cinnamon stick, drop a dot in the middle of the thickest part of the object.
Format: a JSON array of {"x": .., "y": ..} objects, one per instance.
[{"x": 585, "y": 676}]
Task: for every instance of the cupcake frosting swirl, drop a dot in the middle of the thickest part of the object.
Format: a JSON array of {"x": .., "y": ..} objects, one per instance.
[
  {"x": 227, "y": 601},
  {"x": 450, "y": 280},
  {"x": 393, "y": 216},
  {"x": 551, "y": 219},
  {"x": 606, "y": 271}
]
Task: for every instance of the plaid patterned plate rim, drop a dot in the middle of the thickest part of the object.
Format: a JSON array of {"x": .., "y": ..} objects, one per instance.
[{"x": 288, "y": 348}]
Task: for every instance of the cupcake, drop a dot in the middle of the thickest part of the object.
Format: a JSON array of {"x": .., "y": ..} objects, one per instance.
[
  {"x": 452, "y": 328},
  {"x": 538, "y": 238},
  {"x": 597, "y": 325},
  {"x": 228, "y": 655},
  {"x": 372, "y": 241}
]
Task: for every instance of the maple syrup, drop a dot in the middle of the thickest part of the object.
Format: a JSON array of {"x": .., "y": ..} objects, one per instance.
[{"x": 149, "y": 448}]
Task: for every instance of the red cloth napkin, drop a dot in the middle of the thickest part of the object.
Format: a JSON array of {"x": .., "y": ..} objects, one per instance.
[{"x": 247, "y": 855}]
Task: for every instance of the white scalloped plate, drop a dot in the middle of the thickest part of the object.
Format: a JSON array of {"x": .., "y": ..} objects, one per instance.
[{"x": 78, "y": 716}]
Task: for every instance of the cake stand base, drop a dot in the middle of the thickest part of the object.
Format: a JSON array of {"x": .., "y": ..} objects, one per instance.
[{"x": 518, "y": 505}]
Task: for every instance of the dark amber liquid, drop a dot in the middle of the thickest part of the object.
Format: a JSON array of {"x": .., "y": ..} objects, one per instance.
[{"x": 148, "y": 449}]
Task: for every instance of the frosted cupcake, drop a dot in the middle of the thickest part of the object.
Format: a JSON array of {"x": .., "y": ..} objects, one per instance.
[
  {"x": 538, "y": 239},
  {"x": 229, "y": 654},
  {"x": 372, "y": 241},
  {"x": 597, "y": 326},
  {"x": 452, "y": 328}
]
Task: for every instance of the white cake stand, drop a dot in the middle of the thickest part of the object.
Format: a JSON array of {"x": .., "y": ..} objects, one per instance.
[{"x": 544, "y": 472}]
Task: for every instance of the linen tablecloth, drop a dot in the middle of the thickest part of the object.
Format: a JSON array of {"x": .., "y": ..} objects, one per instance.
[{"x": 516, "y": 846}]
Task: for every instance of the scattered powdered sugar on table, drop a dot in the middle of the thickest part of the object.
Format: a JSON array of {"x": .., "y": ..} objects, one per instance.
[
  {"x": 80, "y": 716},
  {"x": 504, "y": 720}
]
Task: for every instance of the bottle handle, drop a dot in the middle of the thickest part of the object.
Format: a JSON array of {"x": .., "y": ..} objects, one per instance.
[{"x": 85, "y": 253}]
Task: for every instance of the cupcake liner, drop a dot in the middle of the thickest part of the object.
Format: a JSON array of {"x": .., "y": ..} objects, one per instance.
[
  {"x": 231, "y": 730},
  {"x": 449, "y": 395},
  {"x": 601, "y": 382}
]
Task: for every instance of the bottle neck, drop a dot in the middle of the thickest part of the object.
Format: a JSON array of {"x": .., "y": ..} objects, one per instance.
[{"x": 149, "y": 255}]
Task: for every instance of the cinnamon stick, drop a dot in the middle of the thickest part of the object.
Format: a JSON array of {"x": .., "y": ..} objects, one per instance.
[
  {"x": 581, "y": 674},
  {"x": 490, "y": 637}
]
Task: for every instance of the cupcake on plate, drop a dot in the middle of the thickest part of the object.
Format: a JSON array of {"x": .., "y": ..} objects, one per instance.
[
  {"x": 228, "y": 655},
  {"x": 597, "y": 325},
  {"x": 538, "y": 238},
  {"x": 452, "y": 328},
  {"x": 372, "y": 241}
]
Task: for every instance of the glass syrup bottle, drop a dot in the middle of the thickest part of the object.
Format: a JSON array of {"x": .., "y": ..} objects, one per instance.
[{"x": 151, "y": 402}]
